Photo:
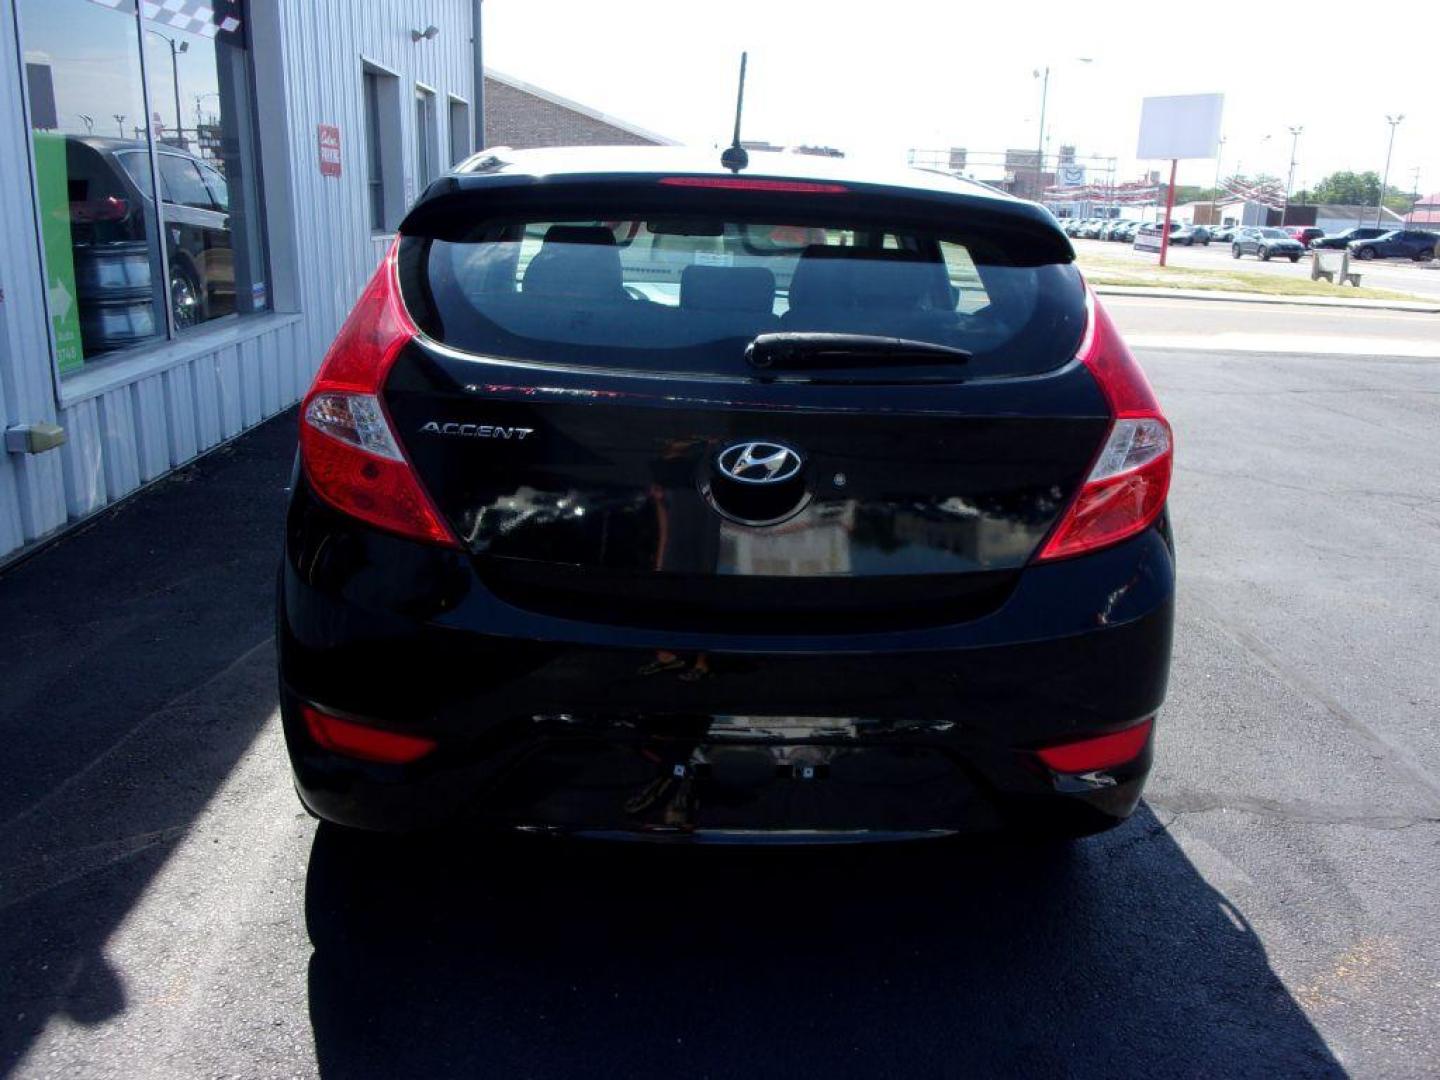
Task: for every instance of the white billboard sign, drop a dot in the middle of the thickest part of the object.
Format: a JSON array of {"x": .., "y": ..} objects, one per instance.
[{"x": 1184, "y": 126}]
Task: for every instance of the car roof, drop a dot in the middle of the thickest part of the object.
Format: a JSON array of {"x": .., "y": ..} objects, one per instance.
[
  {"x": 863, "y": 182},
  {"x": 589, "y": 161},
  {"x": 113, "y": 145}
]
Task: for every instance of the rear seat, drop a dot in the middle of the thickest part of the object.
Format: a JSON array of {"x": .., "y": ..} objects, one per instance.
[
  {"x": 858, "y": 291},
  {"x": 728, "y": 301}
]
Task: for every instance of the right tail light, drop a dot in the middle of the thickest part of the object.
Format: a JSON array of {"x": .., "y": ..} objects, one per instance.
[{"x": 1129, "y": 480}]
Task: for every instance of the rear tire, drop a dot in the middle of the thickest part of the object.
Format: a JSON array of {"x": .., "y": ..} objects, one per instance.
[
  {"x": 1264, "y": 254},
  {"x": 1366, "y": 253},
  {"x": 1294, "y": 258},
  {"x": 185, "y": 298},
  {"x": 1234, "y": 251},
  {"x": 1424, "y": 256}
]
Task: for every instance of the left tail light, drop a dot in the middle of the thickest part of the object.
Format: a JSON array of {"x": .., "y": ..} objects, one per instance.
[
  {"x": 347, "y": 444},
  {"x": 1129, "y": 480}
]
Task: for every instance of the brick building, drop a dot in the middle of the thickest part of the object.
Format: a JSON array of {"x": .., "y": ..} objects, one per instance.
[{"x": 521, "y": 115}]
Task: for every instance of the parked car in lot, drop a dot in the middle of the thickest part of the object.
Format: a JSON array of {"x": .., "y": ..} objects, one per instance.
[
  {"x": 1342, "y": 240},
  {"x": 1303, "y": 234},
  {"x": 880, "y": 554},
  {"x": 1265, "y": 242},
  {"x": 1190, "y": 235},
  {"x": 1147, "y": 235},
  {"x": 1225, "y": 233},
  {"x": 1126, "y": 232},
  {"x": 1397, "y": 244},
  {"x": 110, "y": 186}
]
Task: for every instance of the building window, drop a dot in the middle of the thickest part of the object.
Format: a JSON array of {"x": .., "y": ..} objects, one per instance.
[
  {"x": 459, "y": 131},
  {"x": 383, "y": 166},
  {"x": 374, "y": 172},
  {"x": 427, "y": 140},
  {"x": 126, "y": 102}
]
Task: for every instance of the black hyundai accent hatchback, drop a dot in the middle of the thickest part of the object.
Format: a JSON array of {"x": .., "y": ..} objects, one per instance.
[{"x": 639, "y": 497}]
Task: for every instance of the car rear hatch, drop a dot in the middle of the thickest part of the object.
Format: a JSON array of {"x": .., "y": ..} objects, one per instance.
[{"x": 654, "y": 401}]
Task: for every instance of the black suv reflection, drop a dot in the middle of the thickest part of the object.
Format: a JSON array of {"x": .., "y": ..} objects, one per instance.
[{"x": 110, "y": 185}]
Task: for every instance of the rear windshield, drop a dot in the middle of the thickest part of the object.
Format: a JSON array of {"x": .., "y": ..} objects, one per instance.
[{"x": 688, "y": 295}]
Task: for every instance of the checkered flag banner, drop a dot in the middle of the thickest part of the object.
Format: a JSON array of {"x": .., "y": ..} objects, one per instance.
[{"x": 204, "y": 17}]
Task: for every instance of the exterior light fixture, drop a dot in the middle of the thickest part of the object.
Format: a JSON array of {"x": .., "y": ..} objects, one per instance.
[{"x": 428, "y": 34}]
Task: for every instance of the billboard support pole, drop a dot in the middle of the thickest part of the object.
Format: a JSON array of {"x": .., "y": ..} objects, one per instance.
[{"x": 1169, "y": 207}]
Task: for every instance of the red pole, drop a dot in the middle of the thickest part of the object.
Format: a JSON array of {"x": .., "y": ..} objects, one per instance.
[{"x": 1169, "y": 206}]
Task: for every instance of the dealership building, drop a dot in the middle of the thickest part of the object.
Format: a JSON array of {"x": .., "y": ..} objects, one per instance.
[{"x": 285, "y": 139}]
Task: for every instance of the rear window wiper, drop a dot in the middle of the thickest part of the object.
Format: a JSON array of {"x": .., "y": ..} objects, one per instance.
[{"x": 803, "y": 351}]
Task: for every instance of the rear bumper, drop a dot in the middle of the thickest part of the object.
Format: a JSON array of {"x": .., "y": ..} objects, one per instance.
[{"x": 553, "y": 724}]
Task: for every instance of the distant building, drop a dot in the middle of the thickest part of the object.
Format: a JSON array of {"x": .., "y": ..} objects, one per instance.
[
  {"x": 1426, "y": 211},
  {"x": 521, "y": 115},
  {"x": 1334, "y": 218},
  {"x": 1024, "y": 176},
  {"x": 763, "y": 147}
]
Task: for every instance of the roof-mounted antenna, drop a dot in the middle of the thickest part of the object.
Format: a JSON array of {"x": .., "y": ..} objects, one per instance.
[{"x": 735, "y": 156}]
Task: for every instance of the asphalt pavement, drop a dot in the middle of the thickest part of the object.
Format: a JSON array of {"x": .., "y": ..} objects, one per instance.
[{"x": 166, "y": 909}]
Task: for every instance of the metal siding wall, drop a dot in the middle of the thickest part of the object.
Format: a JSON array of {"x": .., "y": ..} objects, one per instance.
[
  {"x": 32, "y": 488},
  {"x": 133, "y": 433}
]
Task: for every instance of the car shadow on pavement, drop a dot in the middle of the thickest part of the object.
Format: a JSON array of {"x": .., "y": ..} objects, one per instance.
[
  {"x": 137, "y": 672},
  {"x": 965, "y": 958}
]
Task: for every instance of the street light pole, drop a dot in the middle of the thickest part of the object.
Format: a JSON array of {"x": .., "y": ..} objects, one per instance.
[
  {"x": 175, "y": 51},
  {"x": 1044, "y": 77},
  {"x": 1394, "y": 122},
  {"x": 1040, "y": 139},
  {"x": 1290, "y": 180}
]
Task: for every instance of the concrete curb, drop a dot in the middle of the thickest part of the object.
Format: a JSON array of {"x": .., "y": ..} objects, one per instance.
[{"x": 1422, "y": 306}]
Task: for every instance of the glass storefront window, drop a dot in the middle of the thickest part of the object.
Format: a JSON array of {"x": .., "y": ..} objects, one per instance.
[{"x": 125, "y": 99}]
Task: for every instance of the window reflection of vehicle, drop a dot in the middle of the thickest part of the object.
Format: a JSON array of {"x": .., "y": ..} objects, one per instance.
[{"x": 110, "y": 195}]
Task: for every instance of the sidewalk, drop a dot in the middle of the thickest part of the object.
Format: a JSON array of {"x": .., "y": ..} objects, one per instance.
[{"x": 1428, "y": 307}]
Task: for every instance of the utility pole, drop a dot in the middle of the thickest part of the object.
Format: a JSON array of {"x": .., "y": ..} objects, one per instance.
[
  {"x": 1215, "y": 191},
  {"x": 1394, "y": 122},
  {"x": 1290, "y": 180}
]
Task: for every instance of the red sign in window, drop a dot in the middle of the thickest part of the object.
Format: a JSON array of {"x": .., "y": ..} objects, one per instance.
[{"x": 329, "y": 139}]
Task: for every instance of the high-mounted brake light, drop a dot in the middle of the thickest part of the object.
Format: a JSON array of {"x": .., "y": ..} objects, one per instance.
[
  {"x": 1100, "y": 752},
  {"x": 1126, "y": 488},
  {"x": 746, "y": 183},
  {"x": 341, "y": 736},
  {"x": 350, "y": 453}
]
